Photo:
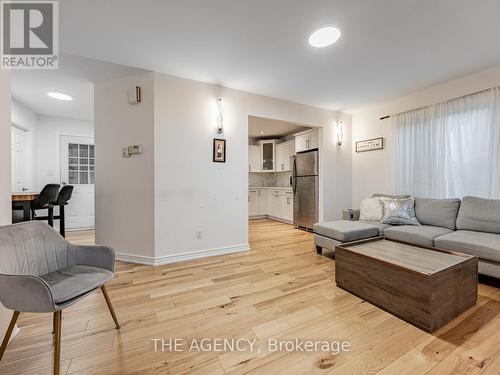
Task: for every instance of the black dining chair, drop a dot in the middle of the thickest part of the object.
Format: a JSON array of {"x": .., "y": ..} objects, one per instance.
[
  {"x": 44, "y": 201},
  {"x": 61, "y": 201}
]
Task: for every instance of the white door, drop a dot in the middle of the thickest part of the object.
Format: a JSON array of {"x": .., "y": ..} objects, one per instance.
[
  {"x": 77, "y": 169},
  {"x": 17, "y": 147}
]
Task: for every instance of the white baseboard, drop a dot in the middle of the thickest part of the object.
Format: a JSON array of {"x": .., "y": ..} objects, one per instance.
[
  {"x": 167, "y": 259},
  {"x": 136, "y": 259},
  {"x": 280, "y": 219}
]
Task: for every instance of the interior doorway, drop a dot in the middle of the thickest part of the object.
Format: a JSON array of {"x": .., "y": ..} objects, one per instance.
[{"x": 277, "y": 151}]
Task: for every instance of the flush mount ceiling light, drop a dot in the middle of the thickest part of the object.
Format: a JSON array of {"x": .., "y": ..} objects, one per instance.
[
  {"x": 59, "y": 96},
  {"x": 324, "y": 36},
  {"x": 262, "y": 132}
]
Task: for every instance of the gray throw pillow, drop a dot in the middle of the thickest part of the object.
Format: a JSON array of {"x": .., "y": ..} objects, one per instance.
[{"x": 399, "y": 211}]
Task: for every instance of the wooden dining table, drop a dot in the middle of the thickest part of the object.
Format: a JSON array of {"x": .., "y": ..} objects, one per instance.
[{"x": 24, "y": 200}]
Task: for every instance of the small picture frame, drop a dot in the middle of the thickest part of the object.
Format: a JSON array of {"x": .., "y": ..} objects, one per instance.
[
  {"x": 370, "y": 145},
  {"x": 219, "y": 151}
]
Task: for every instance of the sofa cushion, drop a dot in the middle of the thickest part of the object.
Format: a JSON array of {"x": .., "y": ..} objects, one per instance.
[
  {"x": 478, "y": 214},
  {"x": 370, "y": 209},
  {"x": 399, "y": 211},
  {"x": 74, "y": 281},
  {"x": 418, "y": 235},
  {"x": 437, "y": 212},
  {"x": 485, "y": 245},
  {"x": 381, "y": 226},
  {"x": 346, "y": 231}
]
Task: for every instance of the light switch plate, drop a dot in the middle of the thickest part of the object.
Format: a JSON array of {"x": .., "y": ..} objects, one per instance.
[{"x": 125, "y": 153}]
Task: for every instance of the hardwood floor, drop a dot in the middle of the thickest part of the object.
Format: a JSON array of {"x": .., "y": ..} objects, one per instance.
[
  {"x": 81, "y": 237},
  {"x": 280, "y": 289}
]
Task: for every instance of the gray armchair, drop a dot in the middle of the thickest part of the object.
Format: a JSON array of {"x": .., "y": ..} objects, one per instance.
[{"x": 40, "y": 272}]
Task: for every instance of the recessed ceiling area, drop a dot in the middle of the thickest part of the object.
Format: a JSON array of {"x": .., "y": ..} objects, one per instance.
[
  {"x": 388, "y": 48},
  {"x": 74, "y": 78},
  {"x": 265, "y": 128}
]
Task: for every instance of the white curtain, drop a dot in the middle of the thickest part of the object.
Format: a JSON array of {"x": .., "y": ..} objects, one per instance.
[{"x": 450, "y": 149}]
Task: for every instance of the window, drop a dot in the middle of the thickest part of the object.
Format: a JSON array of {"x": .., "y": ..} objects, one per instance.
[
  {"x": 80, "y": 164},
  {"x": 449, "y": 149}
]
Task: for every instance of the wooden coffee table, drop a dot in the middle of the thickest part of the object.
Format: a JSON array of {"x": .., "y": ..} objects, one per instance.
[{"x": 424, "y": 286}]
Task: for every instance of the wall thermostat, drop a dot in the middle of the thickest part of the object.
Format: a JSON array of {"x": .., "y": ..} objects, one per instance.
[{"x": 135, "y": 149}]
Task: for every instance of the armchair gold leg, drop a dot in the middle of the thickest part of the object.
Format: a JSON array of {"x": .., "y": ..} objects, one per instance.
[
  {"x": 57, "y": 342},
  {"x": 110, "y": 306},
  {"x": 6, "y": 339}
]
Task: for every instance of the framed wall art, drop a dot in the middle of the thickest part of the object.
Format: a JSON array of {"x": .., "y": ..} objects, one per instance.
[{"x": 219, "y": 151}]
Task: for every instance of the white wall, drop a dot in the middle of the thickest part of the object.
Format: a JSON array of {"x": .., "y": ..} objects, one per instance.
[
  {"x": 24, "y": 118},
  {"x": 42, "y": 142},
  {"x": 194, "y": 194},
  {"x": 149, "y": 207},
  {"x": 47, "y": 142},
  {"x": 124, "y": 187},
  {"x": 372, "y": 170}
]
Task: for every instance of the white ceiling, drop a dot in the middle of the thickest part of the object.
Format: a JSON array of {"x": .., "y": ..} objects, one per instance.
[
  {"x": 272, "y": 128},
  {"x": 75, "y": 77},
  {"x": 387, "y": 48}
]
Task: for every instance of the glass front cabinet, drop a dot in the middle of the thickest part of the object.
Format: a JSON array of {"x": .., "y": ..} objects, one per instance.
[{"x": 268, "y": 155}]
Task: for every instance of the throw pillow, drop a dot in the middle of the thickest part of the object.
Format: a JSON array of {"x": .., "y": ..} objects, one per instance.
[
  {"x": 370, "y": 210},
  {"x": 399, "y": 211}
]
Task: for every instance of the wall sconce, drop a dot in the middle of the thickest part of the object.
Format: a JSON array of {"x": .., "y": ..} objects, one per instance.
[
  {"x": 220, "y": 118},
  {"x": 340, "y": 132}
]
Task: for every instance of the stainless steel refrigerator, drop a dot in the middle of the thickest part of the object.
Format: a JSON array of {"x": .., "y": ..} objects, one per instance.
[{"x": 305, "y": 183}]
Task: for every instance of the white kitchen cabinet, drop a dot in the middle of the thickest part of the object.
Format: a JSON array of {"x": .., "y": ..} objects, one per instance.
[
  {"x": 280, "y": 205},
  {"x": 262, "y": 202},
  {"x": 307, "y": 141},
  {"x": 268, "y": 155},
  {"x": 274, "y": 203},
  {"x": 253, "y": 202},
  {"x": 254, "y": 162},
  {"x": 287, "y": 206},
  {"x": 284, "y": 156},
  {"x": 257, "y": 202}
]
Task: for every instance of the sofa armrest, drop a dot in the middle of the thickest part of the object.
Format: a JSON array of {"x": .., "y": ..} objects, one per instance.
[
  {"x": 95, "y": 256},
  {"x": 350, "y": 214},
  {"x": 26, "y": 293}
]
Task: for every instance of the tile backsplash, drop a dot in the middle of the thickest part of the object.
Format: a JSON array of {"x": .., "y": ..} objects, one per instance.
[{"x": 278, "y": 179}]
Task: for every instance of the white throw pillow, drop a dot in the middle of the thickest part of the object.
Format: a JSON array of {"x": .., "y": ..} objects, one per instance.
[{"x": 370, "y": 210}]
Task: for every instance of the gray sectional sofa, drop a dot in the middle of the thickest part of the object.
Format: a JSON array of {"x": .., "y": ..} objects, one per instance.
[{"x": 470, "y": 225}]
